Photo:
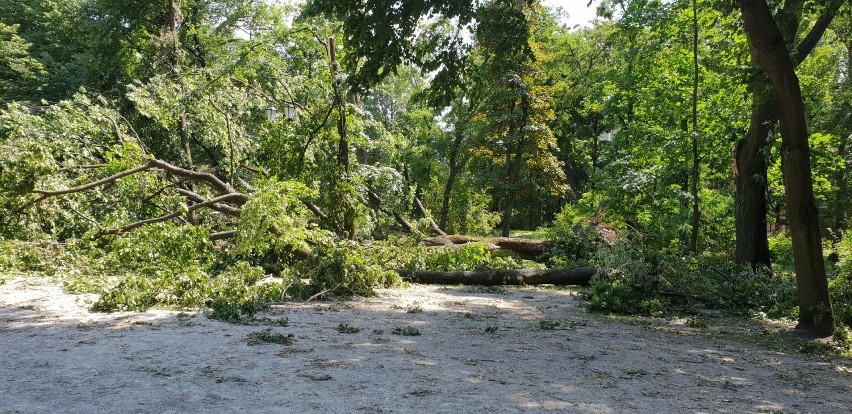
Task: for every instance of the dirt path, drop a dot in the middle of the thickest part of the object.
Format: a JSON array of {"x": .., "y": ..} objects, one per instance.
[{"x": 515, "y": 350}]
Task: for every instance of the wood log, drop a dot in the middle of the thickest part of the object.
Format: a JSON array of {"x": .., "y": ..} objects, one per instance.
[
  {"x": 558, "y": 276},
  {"x": 526, "y": 248}
]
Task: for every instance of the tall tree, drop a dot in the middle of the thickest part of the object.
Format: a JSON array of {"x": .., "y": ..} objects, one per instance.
[
  {"x": 752, "y": 245},
  {"x": 770, "y": 48}
]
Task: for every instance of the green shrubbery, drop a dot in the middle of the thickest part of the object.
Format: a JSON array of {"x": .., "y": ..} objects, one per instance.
[
  {"x": 631, "y": 281},
  {"x": 840, "y": 286},
  {"x": 470, "y": 256}
]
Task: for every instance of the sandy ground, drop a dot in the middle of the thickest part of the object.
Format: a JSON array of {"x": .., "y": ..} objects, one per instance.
[{"x": 546, "y": 355}]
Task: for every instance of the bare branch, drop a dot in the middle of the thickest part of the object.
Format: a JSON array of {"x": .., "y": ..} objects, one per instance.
[
  {"x": 89, "y": 186},
  {"x": 804, "y": 48},
  {"x": 222, "y": 208},
  {"x": 176, "y": 214},
  {"x": 223, "y": 235}
]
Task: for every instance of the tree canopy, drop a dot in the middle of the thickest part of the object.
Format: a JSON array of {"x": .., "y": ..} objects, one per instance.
[{"x": 702, "y": 147}]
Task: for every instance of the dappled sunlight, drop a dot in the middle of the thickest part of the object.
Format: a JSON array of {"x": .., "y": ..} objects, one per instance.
[
  {"x": 413, "y": 349},
  {"x": 40, "y": 302}
]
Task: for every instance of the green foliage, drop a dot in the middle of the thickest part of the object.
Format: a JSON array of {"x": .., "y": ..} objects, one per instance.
[
  {"x": 275, "y": 224},
  {"x": 407, "y": 331},
  {"x": 625, "y": 283},
  {"x": 344, "y": 267},
  {"x": 470, "y": 256},
  {"x": 235, "y": 293},
  {"x": 22, "y": 256},
  {"x": 574, "y": 244},
  {"x": 161, "y": 247},
  {"x": 347, "y": 329},
  {"x": 138, "y": 292},
  {"x": 781, "y": 250},
  {"x": 630, "y": 281},
  {"x": 268, "y": 336},
  {"x": 18, "y": 70},
  {"x": 840, "y": 286}
]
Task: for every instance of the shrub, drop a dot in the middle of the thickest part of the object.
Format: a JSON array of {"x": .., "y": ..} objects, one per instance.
[
  {"x": 236, "y": 293},
  {"x": 159, "y": 248},
  {"x": 470, "y": 256},
  {"x": 342, "y": 266},
  {"x": 625, "y": 283},
  {"x": 635, "y": 283},
  {"x": 840, "y": 286},
  {"x": 574, "y": 246}
]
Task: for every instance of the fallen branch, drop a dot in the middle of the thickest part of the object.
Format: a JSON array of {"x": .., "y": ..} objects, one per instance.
[
  {"x": 434, "y": 226},
  {"x": 222, "y": 208},
  {"x": 526, "y": 248},
  {"x": 223, "y": 235},
  {"x": 559, "y": 276},
  {"x": 170, "y": 216}
]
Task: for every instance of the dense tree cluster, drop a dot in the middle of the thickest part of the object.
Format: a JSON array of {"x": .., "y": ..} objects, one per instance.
[{"x": 704, "y": 132}]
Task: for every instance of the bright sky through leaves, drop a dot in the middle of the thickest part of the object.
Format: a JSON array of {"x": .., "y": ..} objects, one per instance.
[{"x": 578, "y": 13}]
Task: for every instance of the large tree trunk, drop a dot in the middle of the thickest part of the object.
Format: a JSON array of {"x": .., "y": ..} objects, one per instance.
[
  {"x": 815, "y": 312},
  {"x": 451, "y": 178},
  {"x": 752, "y": 243},
  {"x": 751, "y": 180},
  {"x": 696, "y": 157},
  {"x": 525, "y": 248},
  {"x": 569, "y": 276}
]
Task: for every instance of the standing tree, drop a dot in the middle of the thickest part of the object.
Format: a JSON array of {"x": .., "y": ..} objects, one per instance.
[
  {"x": 750, "y": 155},
  {"x": 772, "y": 54}
]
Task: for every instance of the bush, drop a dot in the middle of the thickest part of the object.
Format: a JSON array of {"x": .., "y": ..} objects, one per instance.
[
  {"x": 574, "y": 246},
  {"x": 470, "y": 256},
  {"x": 236, "y": 293},
  {"x": 840, "y": 286},
  {"x": 139, "y": 292},
  {"x": 22, "y": 256},
  {"x": 631, "y": 282},
  {"x": 159, "y": 248},
  {"x": 781, "y": 250},
  {"x": 625, "y": 283},
  {"x": 342, "y": 267}
]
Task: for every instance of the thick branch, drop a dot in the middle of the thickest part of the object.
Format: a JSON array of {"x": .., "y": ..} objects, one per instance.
[
  {"x": 526, "y": 248},
  {"x": 432, "y": 224},
  {"x": 203, "y": 177},
  {"x": 207, "y": 178},
  {"x": 223, "y": 235},
  {"x": 222, "y": 208},
  {"x": 569, "y": 276},
  {"x": 89, "y": 186},
  {"x": 810, "y": 41},
  {"x": 206, "y": 204},
  {"x": 376, "y": 201},
  {"x": 315, "y": 209}
]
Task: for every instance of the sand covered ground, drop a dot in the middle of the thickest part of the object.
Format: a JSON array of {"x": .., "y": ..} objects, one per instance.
[{"x": 478, "y": 350}]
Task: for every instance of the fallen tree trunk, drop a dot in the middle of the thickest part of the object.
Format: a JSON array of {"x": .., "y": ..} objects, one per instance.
[
  {"x": 559, "y": 276},
  {"x": 526, "y": 248}
]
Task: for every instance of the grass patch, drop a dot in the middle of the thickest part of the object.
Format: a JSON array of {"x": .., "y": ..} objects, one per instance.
[
  {"x": 268, "y": 336},
  {"x": 407, "y": 331},
  {"x": 347, "y": 329}
]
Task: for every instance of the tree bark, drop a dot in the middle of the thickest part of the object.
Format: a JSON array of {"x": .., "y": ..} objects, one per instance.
[
  {"x": 525, "y": 248},
  {"x": 451, "y": 177},
  {"x": 514, "y": 159},
  {"x": 696, "y": 157},
  {"x": 569, "y": 276},
  {"x": 752, "y": 244},
  {"x": 815, "y": 313}
]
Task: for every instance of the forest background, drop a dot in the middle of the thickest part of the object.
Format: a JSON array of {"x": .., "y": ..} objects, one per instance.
[{"x": 139, "y": 158}]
